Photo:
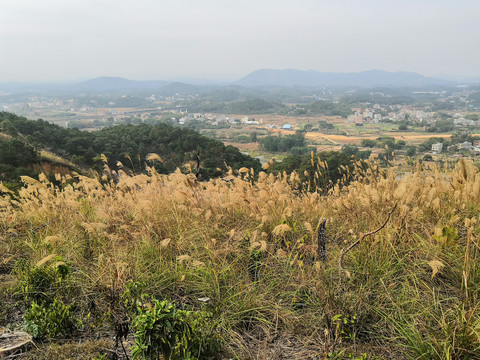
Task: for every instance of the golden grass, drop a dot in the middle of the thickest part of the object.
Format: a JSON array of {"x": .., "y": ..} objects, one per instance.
[
  {"x": 413, "y": 138},
  {"x": 157, "y": 207},
  {"x": 188, "y": 239}
]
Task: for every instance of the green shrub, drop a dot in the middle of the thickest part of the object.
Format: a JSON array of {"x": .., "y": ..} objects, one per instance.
[
  {"x": 163, "y": 330},
  {"x": 205, "y": 341},
  {"x": 49, "y": 322},
  {"x": 346, "y": 326}
]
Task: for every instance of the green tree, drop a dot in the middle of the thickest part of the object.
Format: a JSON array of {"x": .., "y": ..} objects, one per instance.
[{"x": 411, "y": 151}]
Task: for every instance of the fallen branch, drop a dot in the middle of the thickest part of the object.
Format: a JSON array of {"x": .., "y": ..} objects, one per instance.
[
  {"x": 11, "y": 342},
  {"x": 344, "y": 251}
]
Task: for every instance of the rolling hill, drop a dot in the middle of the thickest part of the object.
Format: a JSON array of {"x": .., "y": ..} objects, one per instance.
[{"x": 371, "y": 78}]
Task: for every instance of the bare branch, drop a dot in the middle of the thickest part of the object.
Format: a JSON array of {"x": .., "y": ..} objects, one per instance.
[
  {"x": 322, "y": 240},
  {"x": 344, "y": 251},
  {"x": 197, "y": 172}
]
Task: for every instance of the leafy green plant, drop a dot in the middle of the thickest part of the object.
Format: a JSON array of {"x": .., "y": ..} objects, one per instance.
[
  {"x": 161, "y": 329},
  {"x": 345, "y": 326},
  {"x": 134, "y": 295},
  {"x": 100, "y": 357},
  {"x": 206, "y": 339},
  {"x": 255, "y": 259},
  {"x": 49, "y": 322}
]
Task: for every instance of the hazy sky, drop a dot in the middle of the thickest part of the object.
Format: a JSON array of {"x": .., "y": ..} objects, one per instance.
[{"x": 57, "y": 40}]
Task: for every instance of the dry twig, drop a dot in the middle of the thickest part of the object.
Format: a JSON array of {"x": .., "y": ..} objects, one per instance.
[{"x": 344, "y": 251}]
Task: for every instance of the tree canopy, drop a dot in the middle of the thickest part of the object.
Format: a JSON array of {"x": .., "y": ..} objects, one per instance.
[{"x": 129, "y": 144}]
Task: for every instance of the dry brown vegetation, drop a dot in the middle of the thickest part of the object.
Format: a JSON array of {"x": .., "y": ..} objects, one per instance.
[
  {"x": 411, "y": 138},
  {"x": 248, "y": 244}
]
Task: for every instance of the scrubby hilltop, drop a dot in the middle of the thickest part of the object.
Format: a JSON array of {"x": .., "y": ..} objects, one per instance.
[
  {"x": 235, "y": 270},
  {"x": 125, "y": 146}
]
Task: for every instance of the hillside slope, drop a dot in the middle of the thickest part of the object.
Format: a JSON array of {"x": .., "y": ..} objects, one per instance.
[{"x": 125, "y": 146}]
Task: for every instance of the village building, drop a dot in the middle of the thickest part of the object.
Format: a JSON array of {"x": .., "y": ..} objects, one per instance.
[{"x": 437, "y": 147}]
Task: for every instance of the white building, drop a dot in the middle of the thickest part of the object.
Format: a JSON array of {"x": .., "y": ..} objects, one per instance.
[
  {"x": 465, "y": 146},
  {"x": 437, "y": 148}
]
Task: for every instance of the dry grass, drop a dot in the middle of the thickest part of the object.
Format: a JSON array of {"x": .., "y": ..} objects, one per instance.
[
  {"x": 87, "y": 350},
  {"x": 249, "y": 246},
  {"x": 411, "y": 138}
]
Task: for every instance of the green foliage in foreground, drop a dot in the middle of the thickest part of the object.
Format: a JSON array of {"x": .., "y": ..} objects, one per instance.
[
  {"x": 40, "y": 287},
  {"x": 40, "y": 283},
  {"x": 163, "y": 329},
  {"x": 16, "y": 158},
  {"x": 318, "y": 172},
  {"x": 49, "y": 322}
]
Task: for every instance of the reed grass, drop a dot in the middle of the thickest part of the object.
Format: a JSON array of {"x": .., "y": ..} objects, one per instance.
[{"x": 248, "y": 244}]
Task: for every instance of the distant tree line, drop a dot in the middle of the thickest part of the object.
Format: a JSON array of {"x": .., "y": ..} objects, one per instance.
[
  {"x": 383, "y": 142},
  {"x": 247, "y": 107},
  {"x": 321, "y": 107},
  {"x": 322, "y": 125},
  {"x": 443, "y": 125},
  {"x": 294, "y": 143},
  {"x": 377, "y": 98}
]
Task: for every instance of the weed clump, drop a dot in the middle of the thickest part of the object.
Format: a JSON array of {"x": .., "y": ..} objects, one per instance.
[
  {"x": 161, "y": 329},
  {"x": 49, "y": 322}
]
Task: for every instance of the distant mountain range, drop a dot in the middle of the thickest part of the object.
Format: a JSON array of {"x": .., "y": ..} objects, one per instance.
[
  {"x": 259, "y": 78},
  {"x": 311, "y": 78},
  {"x": 97, "y": 85},
  {"x": 106, "y": 83}
]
